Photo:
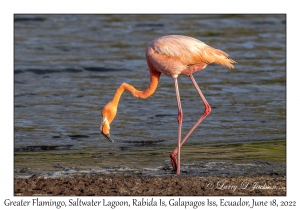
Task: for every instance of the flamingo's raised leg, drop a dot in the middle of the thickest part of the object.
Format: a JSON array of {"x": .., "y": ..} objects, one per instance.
[{"x": 176, "y": 165}]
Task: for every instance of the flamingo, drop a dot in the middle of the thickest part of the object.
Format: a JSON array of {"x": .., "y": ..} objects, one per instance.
[{"x": 171, "y": 55}]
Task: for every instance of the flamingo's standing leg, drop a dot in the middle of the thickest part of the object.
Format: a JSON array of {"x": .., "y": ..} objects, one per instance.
[
  {"x": 176, "y": 163},
  {"x": 206, "y": 112}
]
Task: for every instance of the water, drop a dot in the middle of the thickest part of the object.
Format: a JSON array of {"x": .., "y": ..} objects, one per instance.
[{"x": 67, "y": 67}]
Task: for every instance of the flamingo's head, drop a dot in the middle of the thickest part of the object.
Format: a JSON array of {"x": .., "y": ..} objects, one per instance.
[{"x": 108, "y": 114}]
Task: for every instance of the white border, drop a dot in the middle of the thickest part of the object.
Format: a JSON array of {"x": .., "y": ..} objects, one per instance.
[{"x": 8, "y": 8}]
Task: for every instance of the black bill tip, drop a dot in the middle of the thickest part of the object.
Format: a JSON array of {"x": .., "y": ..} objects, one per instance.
[{"x": 107, "y": 136}]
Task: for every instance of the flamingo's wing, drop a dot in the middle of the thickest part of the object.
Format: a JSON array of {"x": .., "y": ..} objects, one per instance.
[{"x": 190, "y": 51}]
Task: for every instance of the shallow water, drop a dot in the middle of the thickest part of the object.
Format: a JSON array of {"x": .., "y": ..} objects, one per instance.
[{"x": 67, "y": 67}]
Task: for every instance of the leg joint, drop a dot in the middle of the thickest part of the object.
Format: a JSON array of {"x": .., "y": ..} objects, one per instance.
[
  {"x": 180, "y": 117},
  {"x": 207, "y": 109}
]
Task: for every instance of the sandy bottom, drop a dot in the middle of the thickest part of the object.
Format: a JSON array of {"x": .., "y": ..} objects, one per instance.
[{"x": 113, "y": 185}]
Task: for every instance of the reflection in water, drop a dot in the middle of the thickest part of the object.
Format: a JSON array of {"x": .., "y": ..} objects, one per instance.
[{"x": 67, "y": 67}]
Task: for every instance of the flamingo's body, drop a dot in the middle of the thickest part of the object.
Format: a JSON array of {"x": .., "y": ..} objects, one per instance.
[{"x": 171, "y": 55}]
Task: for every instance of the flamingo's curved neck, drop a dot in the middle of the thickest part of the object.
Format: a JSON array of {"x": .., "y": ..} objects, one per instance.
[{"x": 154, "y": 79}]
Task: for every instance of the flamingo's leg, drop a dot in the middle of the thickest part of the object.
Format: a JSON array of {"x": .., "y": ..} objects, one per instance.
[
  {"x": 176, "y": 160},
  {"x": 206, "y": 112}
]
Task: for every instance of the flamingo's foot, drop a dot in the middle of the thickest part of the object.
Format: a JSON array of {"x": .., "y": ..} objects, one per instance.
[{"x": 173, "y": 157}]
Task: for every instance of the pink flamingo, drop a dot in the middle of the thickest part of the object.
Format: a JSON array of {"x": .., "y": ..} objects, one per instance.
[{"x": 171, "y": 55}]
